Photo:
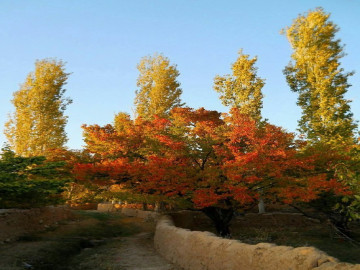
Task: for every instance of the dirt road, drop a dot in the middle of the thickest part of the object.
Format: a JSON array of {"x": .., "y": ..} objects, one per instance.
[{"x": 137, "y": 253}]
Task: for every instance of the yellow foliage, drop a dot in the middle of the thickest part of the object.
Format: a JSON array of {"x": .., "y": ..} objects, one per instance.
[
  {"x": 243, "y": 88},
  {"x": 38, "y": 123},
  {"x": 159, "y": 91},
  {"x": 315, "y": 73}
]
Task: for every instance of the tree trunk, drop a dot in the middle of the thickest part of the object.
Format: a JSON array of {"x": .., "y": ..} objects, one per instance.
[
  {"x": 340, "y": 223},
  {"x": 261, "y": 206},
  {"x": 221, "y": 219},
  {"x": 159, "y": 206},
  {"x": 144, "y": 206}
]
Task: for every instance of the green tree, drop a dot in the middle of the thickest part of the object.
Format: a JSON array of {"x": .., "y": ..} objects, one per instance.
[
  {"x": 242, "y": 89},
  {"x": 158, "y": 89},
  {"x": 315, "y": 73},
  {"x": 29, "y": 181},
  {"x": 38, "y": 123}
]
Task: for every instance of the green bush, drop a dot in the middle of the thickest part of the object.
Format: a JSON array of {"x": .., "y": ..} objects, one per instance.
[{"x": 29, "y": 181}]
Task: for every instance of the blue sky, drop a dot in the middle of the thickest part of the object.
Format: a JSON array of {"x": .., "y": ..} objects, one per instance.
[{"x": 102, "y": 41}]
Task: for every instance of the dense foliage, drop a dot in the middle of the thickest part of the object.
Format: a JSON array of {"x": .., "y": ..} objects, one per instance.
[
  {"x": 315, "y": 73},
  {"x": 38, "y": 123},
  {"x": 158, "y": 89},
  {"x": 243, "y": 88},
  {"x": 30, "y": 181},
  {"x": 217, "y": 164}
]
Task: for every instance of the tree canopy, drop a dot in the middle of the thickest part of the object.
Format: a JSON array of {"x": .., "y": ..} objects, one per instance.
[
  {"x": 243, "y": 88},
  {"x": 30, "y": 181},
  {"x": 315, "y": 73},
  {"x": 158, "y": 89},
  {"x": 217, "y": 164},
  {"x": 38, "y": 123}
]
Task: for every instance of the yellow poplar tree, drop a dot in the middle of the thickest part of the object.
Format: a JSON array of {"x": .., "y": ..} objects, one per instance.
[
  {"x": 158, "y": 89},
  {"x": 38, "y": 123},
  {"x": 243, "y": 88},
  {"x": 315, "y": 73}
]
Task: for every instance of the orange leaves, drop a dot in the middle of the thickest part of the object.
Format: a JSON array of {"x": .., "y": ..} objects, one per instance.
[
  {"x": 210, "y": 160},
  {"x": 82, "y": 171},
  {"x": 208, "y": 197},
  {"x": 242, "y": 194},
  {"x": 257, "y": 153},
  {"x": 188, "y": 116},
  {"x": 167, "y": 141},
  {"x": 320, "y": 183},
  {"x": 103, "y": 173},
  {"x": 309, "y": 188},
  {"x": 264, "y": 157},
  {"x": 163, "y": 176},
  {"x": 160, "y": 123}
]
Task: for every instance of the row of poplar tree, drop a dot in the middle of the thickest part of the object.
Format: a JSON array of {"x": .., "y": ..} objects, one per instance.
[
  {"x": 315, "y": 73},
  {"x": 37, "y": 126}
]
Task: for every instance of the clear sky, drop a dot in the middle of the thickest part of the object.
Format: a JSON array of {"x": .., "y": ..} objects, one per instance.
[{"x": 102, "y": 41}]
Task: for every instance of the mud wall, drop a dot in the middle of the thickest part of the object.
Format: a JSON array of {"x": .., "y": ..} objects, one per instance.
[
  {"x": 146, "y": 215},
  {"x": 205, "y": 251},
  {"x": 130, "y": 212},
  {"x": 17, "y": 222},
  {"x": 106, "y": 207}
]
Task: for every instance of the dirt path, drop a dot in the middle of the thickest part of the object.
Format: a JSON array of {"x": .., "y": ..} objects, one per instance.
[
  {"x": 94, "y": 241},
  {"x": 137, "y": 253}
]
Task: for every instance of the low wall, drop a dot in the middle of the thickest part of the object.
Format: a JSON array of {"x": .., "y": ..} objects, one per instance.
[
  {"x": 17, "y": 222},
  {"x": 205, "y": 251},
  {"x": 146, "y": 215},
  {"x": 106, "y": 207},
  {"x": 130, "y": 212}
]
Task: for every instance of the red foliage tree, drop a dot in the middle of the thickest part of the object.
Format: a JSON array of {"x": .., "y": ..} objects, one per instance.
[{"x": 218, "y": 163}]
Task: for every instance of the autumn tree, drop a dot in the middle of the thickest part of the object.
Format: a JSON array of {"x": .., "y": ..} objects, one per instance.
[
  {"x": 158, "y": 89},
  {"x": 116, "y": 149},
  {"x": 315, "y": 73},
  {"x": 38, "y": 123},
  {"x": 242, "y": 89},
  {"x": 243, "y": 161},
  {"x": 213, "y": 163}
]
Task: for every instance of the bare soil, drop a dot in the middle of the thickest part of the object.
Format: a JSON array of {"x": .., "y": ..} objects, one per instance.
[
  {"x": 16, "y": 222},
  {"x": 90, "y": 241}
]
